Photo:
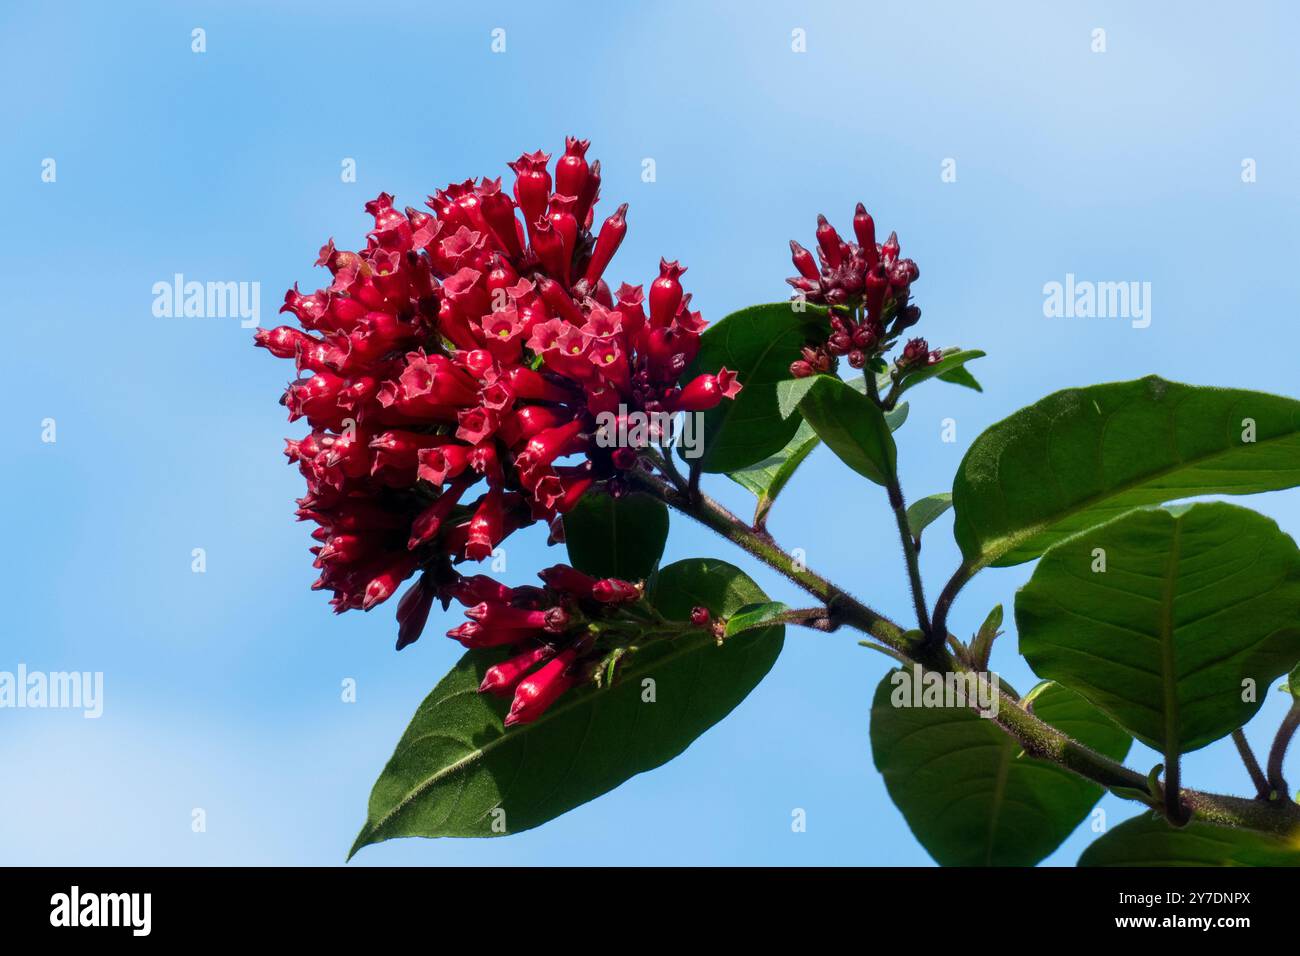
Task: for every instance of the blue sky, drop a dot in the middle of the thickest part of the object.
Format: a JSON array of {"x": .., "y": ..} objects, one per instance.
[{"x": 222, "y": 689}]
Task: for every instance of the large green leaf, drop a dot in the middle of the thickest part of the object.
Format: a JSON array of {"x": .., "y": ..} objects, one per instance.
[
  {"x": 616, "y": 537},
  {"x": 457, "y": 764},
  {"x": 758, "y": 344},
  {"x": 1147, "y": 840},
  {"x": 1193, "y": 601},
  {"x": 1080, "y": 457},
  {"x": 970, "y": 795},
  {"x": 850, "y": 424},
  {"x": 767, "y": 479}
]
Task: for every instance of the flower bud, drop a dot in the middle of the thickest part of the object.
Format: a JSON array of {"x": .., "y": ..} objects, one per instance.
[
  {"x": 413, "y": 612},
  {"x": 501, "y": 679},
  {"x": 804, "y": 262},
  {"x": 864, "y": 228},
  {"x": 607, "y": 243},
  {"x": 571, "y": 169},
  {"x": 532, "y": 184},
  {"x": 615, "y": 591},
  {"x": 706, "y": 391},
  {"x": 539, "y": 690},
  {"x": 665, "y": 293},
  {"x": 830, "y": 241}
]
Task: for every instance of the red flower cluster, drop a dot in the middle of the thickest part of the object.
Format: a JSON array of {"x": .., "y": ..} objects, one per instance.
[
  {"x": 452, "y": 372},
  {"x": 867, "y": 287},
  {"x": 549, "y": 629}
]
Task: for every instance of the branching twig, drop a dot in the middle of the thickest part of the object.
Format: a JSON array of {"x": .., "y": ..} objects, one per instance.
[
  {"x": 1039, "y": 739},
  {"x": 1276, "y": 780},
  {"x": 1252, "y": 765},
  {"x": 939, "y": 624}
]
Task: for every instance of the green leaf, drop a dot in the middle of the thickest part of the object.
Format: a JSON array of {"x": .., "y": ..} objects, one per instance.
[
  {"x": 921, "y": 513},
  {"x": 981, "y": 648},
  {"x": 750, "y": 616},
  {"x": 790, "y": 393},
  {"x": 616, "y": 537},
  {"x": 1147, "y": 840},
  {"x": 966, "y": 789},
  {"x": 457, "y": 763},
  {"x": 950, "y": 368},
  {"x": 1193, "y": 601},
  {"x": 766, "y": 479},
  {"x": 963, "y": 377},
  {"x": 896, "y": 416},
  {"x": 851, "y": 425},
  {"x": 758, "y": 344},
  {"x": 1082, "y": 456}
]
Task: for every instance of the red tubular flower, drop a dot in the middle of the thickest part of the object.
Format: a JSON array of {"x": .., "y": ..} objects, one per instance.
[
  {"x": 571, "y": 170},
  {"x": 487, "y": 527},
  {"x": 803, "y": 261},
  {"x": 413, "y": 612},
  {"x": 443, "y": 462},
  {"x": 532, "y": 185},
  {"x": 864, "y": 227},
  {"x": 614, "y": 591},
  {"x": 283, "y": 341},
  {"x": 567, "y": 580},
  {"x": 917, "y": 353},
  {"x": 607, "y": 243},
  {"x": 505, "y": 617},
  {"x": 386, "y": 580},
  {"x": 427, "y": 522},
  {"x": 707, "y": 391},
  {"x": 868, "y": 287},
  {"x": 537, "y": 692},
  {"x": 474, "y": 345},
  {"x": 501, "y": 679},
  {"x": 665, "y": 294},
  {"x": 473, "y": 635},
  {"x": 478, "y": 588},
  {"x": 847, "y": 269}
]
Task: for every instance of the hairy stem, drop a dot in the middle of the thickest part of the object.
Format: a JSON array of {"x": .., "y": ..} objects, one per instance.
[
  {"x": 1276, "y": 781},
  {"x": 1252, "y": 765},
  {"x": 899, "y": 507},
  {"x": 1045, "y": 742},
  {"x": 1176, "y": 811},
  {"x": 1039, "y": 739},
  {"x": 817, "y": 618},
  {"x": 843, "y": 607},
  {"x": 939, "y": 625},
  {"x": 669, "y": 468}
]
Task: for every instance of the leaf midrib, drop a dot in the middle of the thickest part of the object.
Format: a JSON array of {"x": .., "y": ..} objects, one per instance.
[
  {"x": 692, "y": 643},
  {"x": 1168, "y": 657},
  {"x": 993, "y": 549}
]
